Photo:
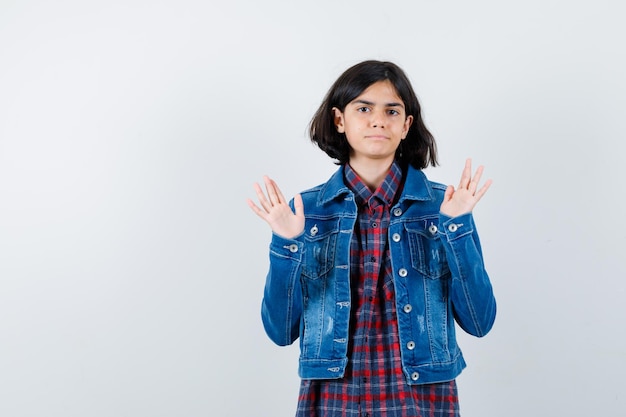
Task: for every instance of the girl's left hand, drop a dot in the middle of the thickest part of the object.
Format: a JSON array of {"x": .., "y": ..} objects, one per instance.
[{"x": 464, "y": 198}]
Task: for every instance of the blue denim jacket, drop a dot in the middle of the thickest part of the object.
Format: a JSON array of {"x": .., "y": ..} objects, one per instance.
[{"x": 438, "y": 272}]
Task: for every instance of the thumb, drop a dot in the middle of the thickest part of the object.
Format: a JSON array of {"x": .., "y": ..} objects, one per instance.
[
  {"x": 298, "y": 205},
  {"x": 448, "y": 194}
]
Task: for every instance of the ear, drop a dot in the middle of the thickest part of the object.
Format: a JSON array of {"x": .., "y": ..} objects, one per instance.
[
  {"x": 338, "y": 119},
  {"x": 407, "y": 125}
]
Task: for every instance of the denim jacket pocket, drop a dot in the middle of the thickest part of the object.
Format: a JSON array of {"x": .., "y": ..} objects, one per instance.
[
  {"x": 428, "y": 254},
  {"x": 319, "y": 247}
]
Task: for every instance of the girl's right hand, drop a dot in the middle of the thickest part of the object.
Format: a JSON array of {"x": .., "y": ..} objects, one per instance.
[{"x": 276, "y": 212}]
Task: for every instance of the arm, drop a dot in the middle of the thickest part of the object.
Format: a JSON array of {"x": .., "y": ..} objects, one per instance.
[
  {"x": 281, "y": 308},
  {"x": 471, "y": 292},
  {"x": 282, "y": 299}
]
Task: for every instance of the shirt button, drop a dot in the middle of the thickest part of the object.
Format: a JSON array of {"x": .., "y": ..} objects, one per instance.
[
  {"x": 396, "y": 237},
  {"x": 408, "y": 308},
  {"x": 415, "y": 376},
  {"x": 403, "y": 272},
  {"x": 397, "y": 212},
  {"x": 453, "y": 227},
  {"x": 410, "y": 345},
  {"x": 293, "y": 248},
  {"x": 374, "y": 225}
]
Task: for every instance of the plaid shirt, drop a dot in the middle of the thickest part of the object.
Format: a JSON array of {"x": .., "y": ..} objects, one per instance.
[{"x": 374, "y": 384}]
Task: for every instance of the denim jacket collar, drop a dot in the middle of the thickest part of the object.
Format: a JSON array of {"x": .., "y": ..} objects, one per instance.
[{"x": 416, "y": 187}]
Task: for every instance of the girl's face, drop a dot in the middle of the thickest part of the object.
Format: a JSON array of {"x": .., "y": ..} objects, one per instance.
[{"x": 374, "y": 123}]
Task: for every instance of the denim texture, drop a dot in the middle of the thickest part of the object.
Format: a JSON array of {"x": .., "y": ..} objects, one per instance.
[{"x": 438, "y": 272}]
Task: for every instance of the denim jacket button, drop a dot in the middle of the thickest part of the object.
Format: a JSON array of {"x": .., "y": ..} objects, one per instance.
[
  {"x": 415, "y": 376},
  {"x": 396, "y": 237},
  {"x": 408, "y": 308},
  {"x": 293, "y": 248},
  {"x": 397, "y": 212},
  {"x": 410, "y": 345},
  {"x": 314, "y": 230},
  {"x": 453, "y": 227},
  {"x": 432, "y": 229},
  {"x": 403, "y": 272}
]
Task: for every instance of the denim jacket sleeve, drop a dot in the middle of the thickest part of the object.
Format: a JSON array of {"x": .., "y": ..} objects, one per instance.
[
  {"x": 471, "y": 291},
  {"x": 281, "y": 307}
]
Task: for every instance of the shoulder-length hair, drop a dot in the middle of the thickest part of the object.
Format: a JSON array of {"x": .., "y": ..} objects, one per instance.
[{"x": 418, "y": 148}]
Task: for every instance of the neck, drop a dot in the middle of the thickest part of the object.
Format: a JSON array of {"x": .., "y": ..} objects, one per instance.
[{"x": 372, "y": 173}]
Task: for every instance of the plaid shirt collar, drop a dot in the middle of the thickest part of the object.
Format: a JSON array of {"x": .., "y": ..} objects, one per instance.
[{"x": 383, "y": 195}]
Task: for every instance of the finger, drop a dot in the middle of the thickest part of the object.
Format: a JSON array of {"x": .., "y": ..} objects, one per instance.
[
  {"x": 256, "y": 209},
  {"x": 261, "y": 196},
  {"x": 479, "y": 194},
  {"x": 447, "y": 196},
  {"x": 466, "y": 175},
  {"x": 279, "y": 194},
  {"x": 270, "y": 187},
  {"x": 476, "y": 180},
  {"x": 298, "y": 205}
]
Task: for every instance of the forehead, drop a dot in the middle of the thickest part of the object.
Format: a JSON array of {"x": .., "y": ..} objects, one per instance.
[{"x": 381, "y": 92}]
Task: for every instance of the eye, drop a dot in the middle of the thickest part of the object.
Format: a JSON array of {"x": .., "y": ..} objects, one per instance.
[
  {"x": 393, "y": 112},
  {"x": 362, "y": 109}
]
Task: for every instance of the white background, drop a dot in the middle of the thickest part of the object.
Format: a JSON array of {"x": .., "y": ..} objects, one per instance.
[{"x": 131, "y": 132}]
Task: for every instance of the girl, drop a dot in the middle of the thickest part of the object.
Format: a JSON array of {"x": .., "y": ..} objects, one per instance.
[{"x": 371, "y": 269}]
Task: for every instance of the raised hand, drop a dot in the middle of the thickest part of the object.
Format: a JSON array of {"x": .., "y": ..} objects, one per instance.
[
  {"x": 276, "y": 212},
  {"x": 464, "y": 198}
]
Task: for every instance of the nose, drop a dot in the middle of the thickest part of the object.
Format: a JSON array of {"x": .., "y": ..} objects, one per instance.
[{"x": 378, "y": 119}]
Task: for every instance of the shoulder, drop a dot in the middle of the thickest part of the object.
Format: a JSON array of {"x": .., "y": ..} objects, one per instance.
[
  {"x": 328, "y": 191},
  {"x": 314, "y": 190},
  {"x": 312, "y": 193},
  {"x": 419, "y": 187},
  {"x": 437, "y": 186}
]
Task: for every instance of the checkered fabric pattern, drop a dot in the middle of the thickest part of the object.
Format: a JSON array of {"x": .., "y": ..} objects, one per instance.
[{"x": 374, "y": 384}]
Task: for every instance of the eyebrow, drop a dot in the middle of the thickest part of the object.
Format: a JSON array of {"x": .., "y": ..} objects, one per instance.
[{"x": 370, "y": 103}]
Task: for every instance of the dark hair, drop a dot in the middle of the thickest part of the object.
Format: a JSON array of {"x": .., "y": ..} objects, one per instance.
[{"x": 418, "y": 148}]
